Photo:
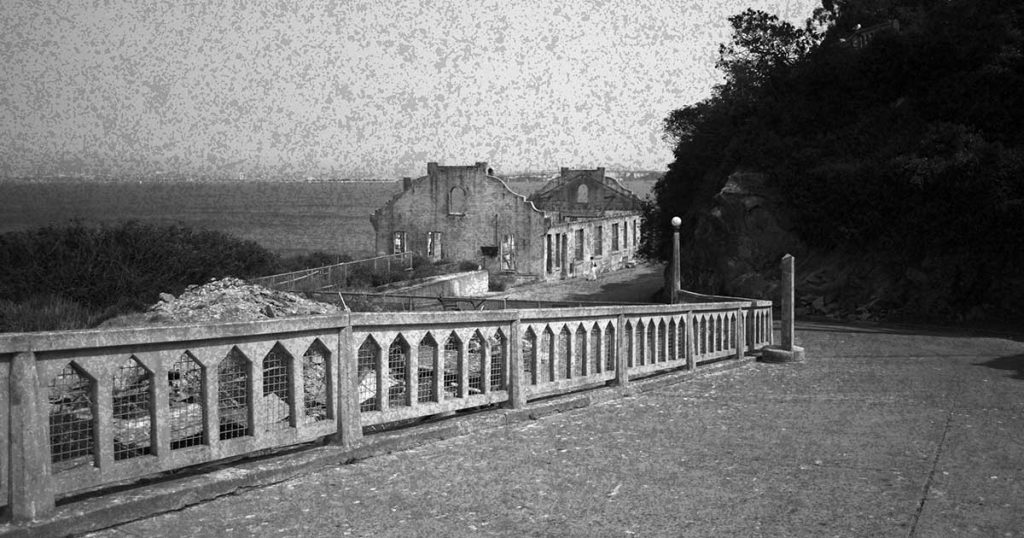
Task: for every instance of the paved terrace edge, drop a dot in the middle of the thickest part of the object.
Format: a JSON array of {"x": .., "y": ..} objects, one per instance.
[{"x": 105, "y": 510}]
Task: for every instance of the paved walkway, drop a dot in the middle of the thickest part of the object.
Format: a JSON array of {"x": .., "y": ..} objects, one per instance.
[{"x": 880, "y": 433}]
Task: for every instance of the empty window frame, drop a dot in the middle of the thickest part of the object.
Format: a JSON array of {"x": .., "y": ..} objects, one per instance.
[
  {"x": 615, "y": 237},
  {"x": 434, "y": 245},
  {"x": 598, "y": 240},
  {"x": 579, "y": 245},
  {"x": 457, "y": 201},
  {"x": 398, "y": 242}
]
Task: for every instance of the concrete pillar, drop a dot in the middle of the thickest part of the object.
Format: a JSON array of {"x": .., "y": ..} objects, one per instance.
[
  {"x": 350, "y": 430},
  {"x": 516, "y": 376},
  {"x": 787, "y": 302},
  {"x": 621, "y": 352},
  {"x": 30, "y": 495},
  {"x": 673, "y": 292},
  {"x": 787, "y": 352}
]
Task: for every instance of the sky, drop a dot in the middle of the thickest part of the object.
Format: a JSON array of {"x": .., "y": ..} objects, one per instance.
[{"x": 351, "y": 89}]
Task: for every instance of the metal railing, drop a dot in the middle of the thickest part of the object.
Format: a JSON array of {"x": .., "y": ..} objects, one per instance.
[
  {"x": 83, "y": 409},
  {"x": 340, "y": 275}
]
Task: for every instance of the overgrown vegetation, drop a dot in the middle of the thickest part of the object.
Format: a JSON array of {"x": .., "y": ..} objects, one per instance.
[
  {"x": 910, "y": 147},
  {"x": 75, "y": 276},
  {"x": 114, "y": 269}
]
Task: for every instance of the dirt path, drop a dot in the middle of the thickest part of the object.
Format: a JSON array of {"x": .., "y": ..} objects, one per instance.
[{"x": 635, "y": 285}]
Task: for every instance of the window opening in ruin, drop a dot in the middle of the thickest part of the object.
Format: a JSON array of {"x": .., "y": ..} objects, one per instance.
[
  {"x": 635, "y": 239},
  {"x": 551, "y": 257},
  {"x": 598, "y": 240},
  {"x": 508, "y": 253},
  {"x": 398, "y": 242},
  {"x": 582, "y": 195},
  {"x": 434, "y": 245},
  {"x": 579, "y": 245},
  {"x": 457, "y": 201},
  {"x": 615, "y": 237}
]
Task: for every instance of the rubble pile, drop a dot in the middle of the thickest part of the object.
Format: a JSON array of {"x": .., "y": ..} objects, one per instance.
[{"x": 225, "y": 300}]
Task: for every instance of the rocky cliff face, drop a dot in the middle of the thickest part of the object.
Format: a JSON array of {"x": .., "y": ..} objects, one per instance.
[
  {"x": 740, "y": 238},
  {"x": 738, "y": 241}
]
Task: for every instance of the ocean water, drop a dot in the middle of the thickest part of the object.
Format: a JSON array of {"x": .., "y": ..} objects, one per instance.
[{"x": 286, "y": 217}]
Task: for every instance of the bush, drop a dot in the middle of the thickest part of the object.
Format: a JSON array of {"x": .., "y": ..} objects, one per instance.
[
  {"x": 44, "y": 313},
  {"x": 122, "y": 266}
]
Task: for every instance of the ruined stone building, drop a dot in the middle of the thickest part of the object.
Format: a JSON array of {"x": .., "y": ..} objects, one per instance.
[{"x": 581, "y": 222}]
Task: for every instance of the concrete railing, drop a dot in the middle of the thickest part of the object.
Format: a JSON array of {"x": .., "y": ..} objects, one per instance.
[{"x": 81, "y": 410}]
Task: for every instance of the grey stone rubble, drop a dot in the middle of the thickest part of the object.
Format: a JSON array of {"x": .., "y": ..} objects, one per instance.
[{"x": 227, "y": 299}]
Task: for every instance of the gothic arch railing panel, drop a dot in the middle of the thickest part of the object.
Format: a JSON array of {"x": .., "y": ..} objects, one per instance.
[{"x": 235, "y": 389}]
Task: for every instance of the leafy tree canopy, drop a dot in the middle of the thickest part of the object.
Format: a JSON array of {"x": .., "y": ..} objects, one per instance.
[{"x": 909, "y": 141}]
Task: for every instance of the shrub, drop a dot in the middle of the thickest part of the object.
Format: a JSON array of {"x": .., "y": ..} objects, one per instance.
[
  {"x": 44, "y": 313},
  {"x": 121, "y": 266}
]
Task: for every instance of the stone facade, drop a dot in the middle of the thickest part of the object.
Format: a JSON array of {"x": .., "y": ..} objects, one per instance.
[
  {"x": 585, "y": 194},
  {"x": 581, "y": 223}
]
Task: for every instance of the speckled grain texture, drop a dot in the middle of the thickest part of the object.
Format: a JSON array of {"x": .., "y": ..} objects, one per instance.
[
  {"x": 882, "y": 432},
  {"x": 350, "y": 88}
]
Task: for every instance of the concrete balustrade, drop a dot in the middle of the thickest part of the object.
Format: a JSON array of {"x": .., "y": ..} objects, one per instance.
[{"x": 83, "y": 409}]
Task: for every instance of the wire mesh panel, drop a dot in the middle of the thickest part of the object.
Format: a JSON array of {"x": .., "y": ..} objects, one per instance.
[
  {"x": 72, "y": 436},
  {"x": 579, "y": 353},
  {"x": 233, "y": 395},
  {"x": 673, "y": 350},
  {"x": 661, "y": 341},
  {"x": 703, "y": 335},
  {"x": 630, "y": 358},
  {"x": 498, "y": 361},
  {"x": 681, "y": 342},
  {"x": 641, "y": 339},
  {"x": 452, "y": 368},
  {"x": 368, "y": 366},
  {"x": 594, "y": 357},
  {"x": 564, "y": 369},
  {"x": 718, "y": 332},
  {"x": 547, "y": 352},
  {"x": 277, "y": 393},
  {"x": 528, "y": 347},
  {"x": 186, "y": 402},
  {"x": 315, "y": 376},
  {"x": 398, "y": 365},
  {"x": 427, "y": 374},
  {"x": 652, "y": 340},
  {"x": 131, "y": 410},
  {"x": 611, "y": 350},
  {"x": 475, "y": 355}
]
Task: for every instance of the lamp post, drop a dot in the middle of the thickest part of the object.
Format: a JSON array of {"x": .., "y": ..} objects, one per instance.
[{"x": 673, "y": 292}]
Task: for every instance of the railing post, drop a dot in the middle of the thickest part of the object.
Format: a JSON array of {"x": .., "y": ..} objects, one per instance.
[
  {"x": 412, "y": 375},
  {"x": 622, "y": 352},
  {"x": 30, "y": 495},
  {"x": 516, "y": 377},
  {"x": 350, "y": 430},
  {"x": 691, "y": 360},
  {"x": 787, "y": 351},
  {"x": 738, "y": 333}
]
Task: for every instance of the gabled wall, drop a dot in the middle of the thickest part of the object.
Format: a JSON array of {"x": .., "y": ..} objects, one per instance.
[{"x": 584, "y": 193}]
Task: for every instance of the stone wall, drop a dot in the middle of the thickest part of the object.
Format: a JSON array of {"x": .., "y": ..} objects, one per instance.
[
  {"x": 467, "y": 284},
  {"x": 476, "y": 215},
  {"x": 566, "y": 256},
  {"x": 585, "y": 193}
]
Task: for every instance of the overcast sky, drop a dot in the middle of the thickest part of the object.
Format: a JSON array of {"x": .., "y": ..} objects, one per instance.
[{"x": 355, "y": 89}]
